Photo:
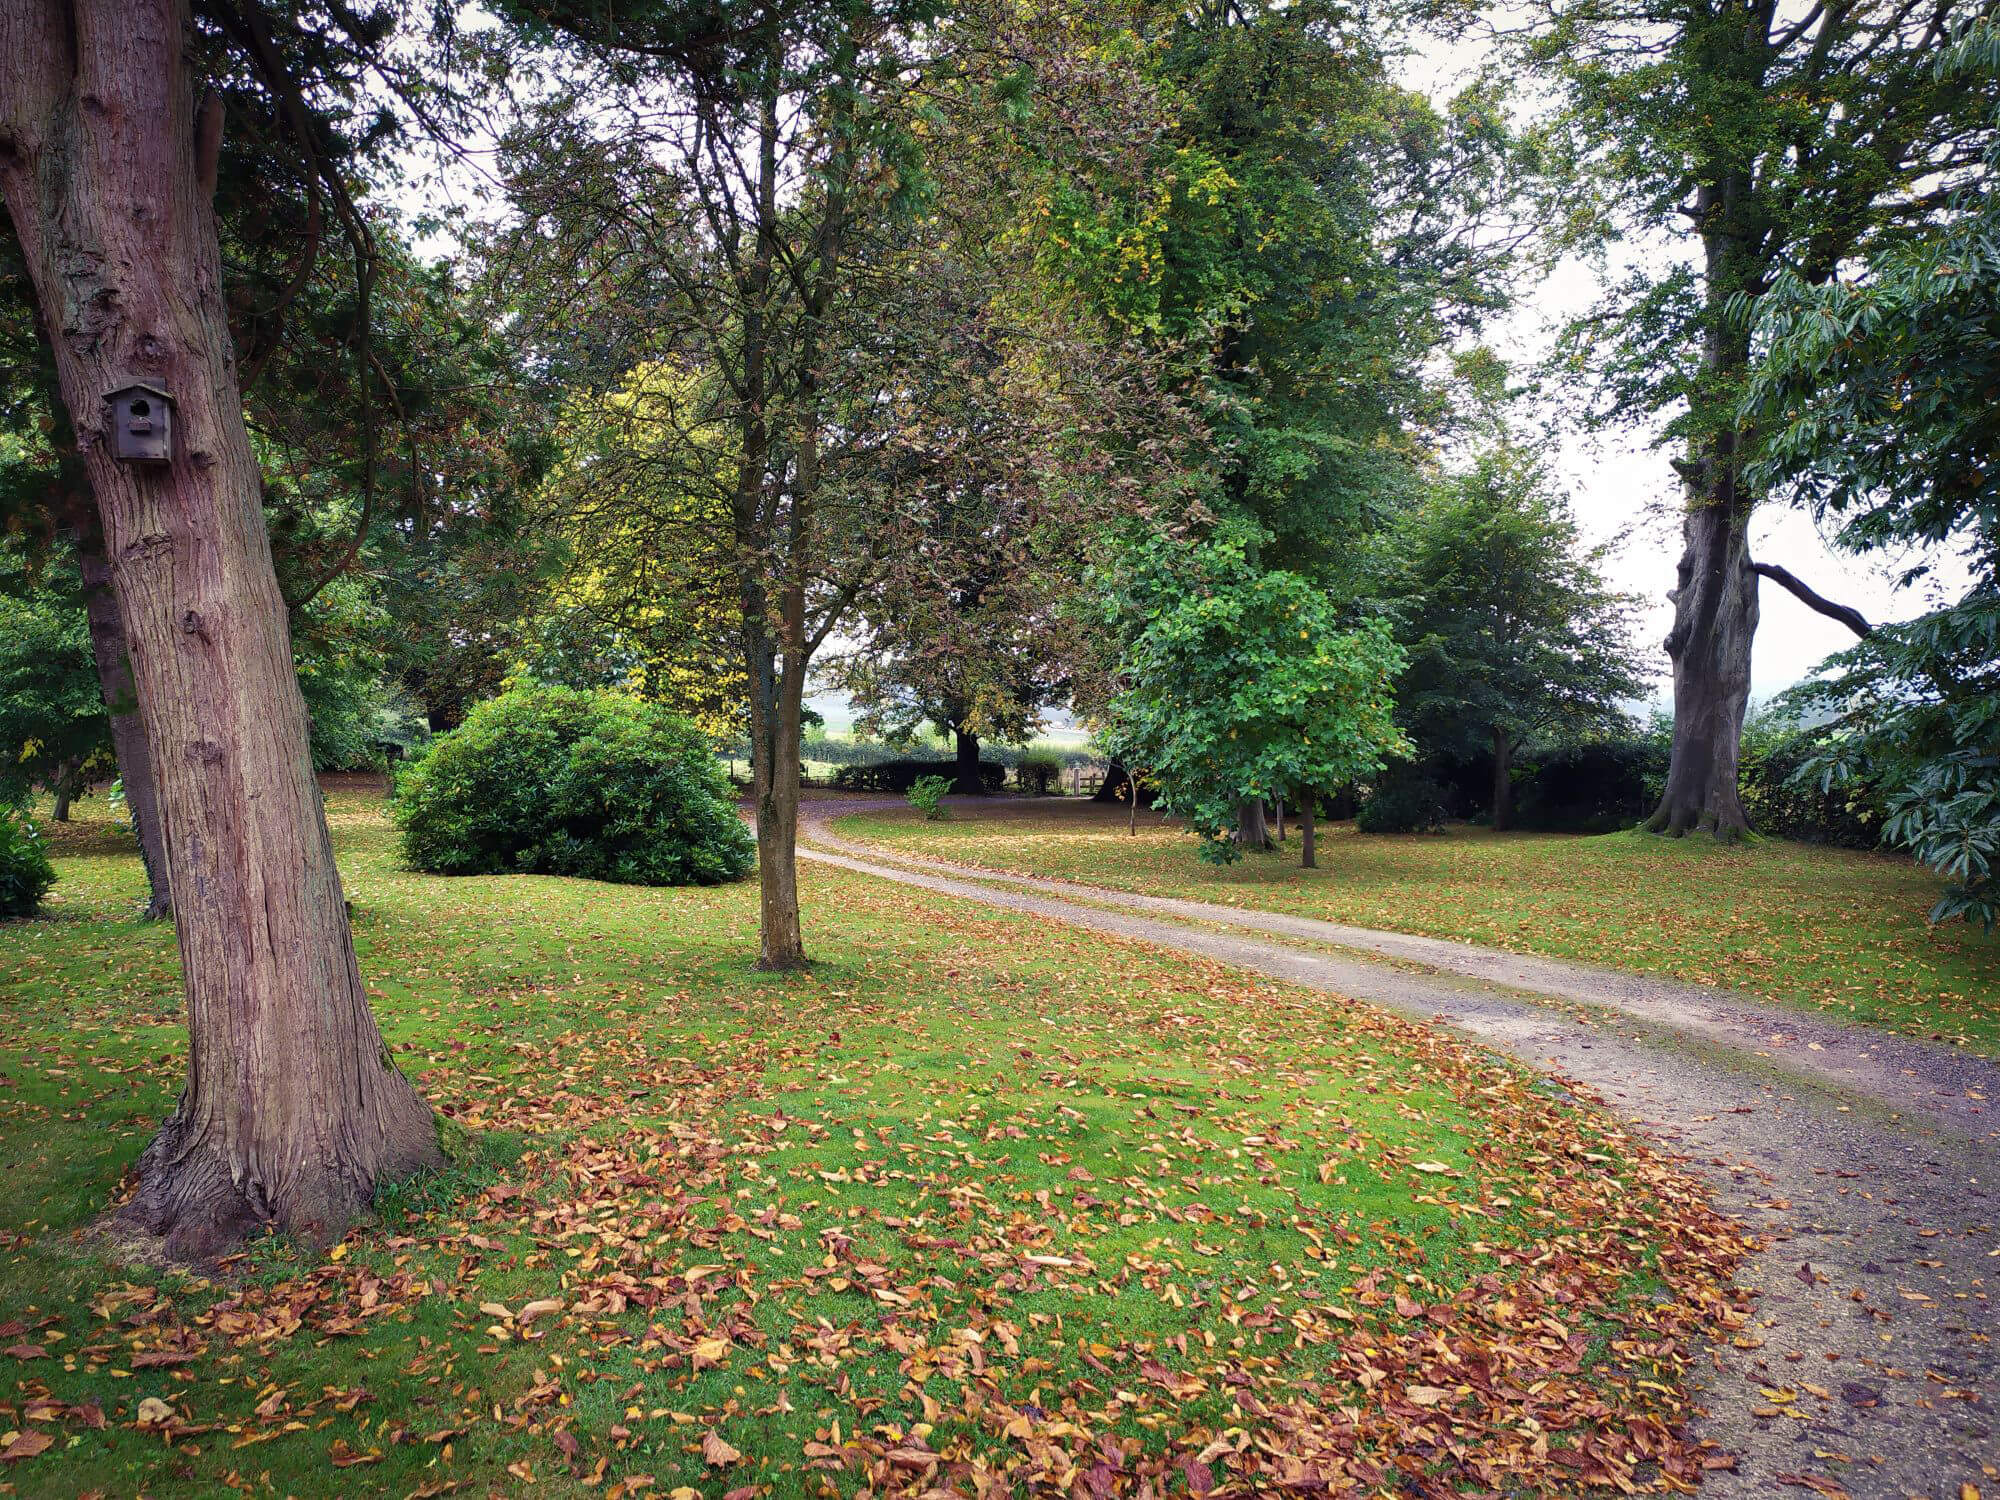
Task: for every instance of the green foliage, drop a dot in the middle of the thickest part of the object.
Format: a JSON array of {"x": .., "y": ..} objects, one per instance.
[
  {"x": 25, "y": 872},
  {"x": 1244, "y": 683},
  {"x": 553, "y": 781},
  {"x": 927, "y": 797},
  {"x": 1915, "y": 712},
  {"x": 1594, "y": 786},
  {"x": 901, "y": 775},
  {"x": 1509, "y": 625},
  {"x": 1785, "y": 799},
  {"x": 1403, "y": 799},
  {"x": 53, "y": 727},
  {"x": 1038, "y": 771},
  {"x": 1877, "y": 400}
]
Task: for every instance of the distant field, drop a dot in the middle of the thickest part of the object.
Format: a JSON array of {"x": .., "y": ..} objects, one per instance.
[{"x": 1828, "y": 928}]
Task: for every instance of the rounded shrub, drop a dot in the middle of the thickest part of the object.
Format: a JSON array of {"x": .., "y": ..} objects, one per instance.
[
  {"x": 1404, "y": 799},
  {"x": 553, "y": 781},
  {"x": 25, "y": 871}
]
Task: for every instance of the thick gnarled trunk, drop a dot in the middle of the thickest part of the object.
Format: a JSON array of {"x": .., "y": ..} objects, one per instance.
[
  {"x": 128, "y": 732},
  {"x": 1715, "y": 619},
  {"x": 1309, "y": 830},
  {"x": 965, "y": 770},
  {"x": 1715, "y": 597},
  {"x": 1252, "y": 831},
  {"x": 293, "y": 1111}
]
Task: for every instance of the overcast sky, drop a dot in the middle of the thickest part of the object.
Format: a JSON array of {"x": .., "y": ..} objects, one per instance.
[{"x": 1626, "y": 494}]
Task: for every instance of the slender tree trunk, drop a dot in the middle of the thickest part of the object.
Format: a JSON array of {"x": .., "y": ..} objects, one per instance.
[
  {"x": 1251, "y": 830},
  {"x": 965, "y": 776},
  {"x": 128, "y": 733},
  {"x": 1278, "y": 820},
  {"x": 776, "y": 700},
  {"x": 66, "y": 777},
  {"x": 1503, "y": 781},
  {"x": 1308, "y": 830},
  {"x": 293, "y": 1111},
  {"x": 1131, "y": 796}
]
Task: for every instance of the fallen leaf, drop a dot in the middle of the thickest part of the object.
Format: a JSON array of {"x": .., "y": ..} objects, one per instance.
[{"x": 715, "y": 1451}]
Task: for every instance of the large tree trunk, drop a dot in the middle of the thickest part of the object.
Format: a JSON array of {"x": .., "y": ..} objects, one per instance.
[
  {"x": 128, "y": 733},
  {"x": 1715, "y": 601},
  {"x": 292, "y": 1112},
  {"x": 965, "y": 772},
  {"x": 1503, "y": 781},
  {"x": 1308, "y": 830},
  {"x": 1715, "y": 618},
  {"x": 1251, "y": 830}
]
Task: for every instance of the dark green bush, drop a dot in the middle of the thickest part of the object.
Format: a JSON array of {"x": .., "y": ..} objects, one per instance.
[
  {"x": 1596, "y": 787},
  {"x": 25, "y": 871},
  {"x": 900, "y": 775},
  {"x": 1782, "y": 802},
  {"x": 1038, "y": 771},
  {"x": 554, "y": 781},
  {"x": 1404, "y": 799}
]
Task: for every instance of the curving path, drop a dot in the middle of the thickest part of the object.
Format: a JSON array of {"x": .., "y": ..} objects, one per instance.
[{"x": 1869, "y": 1163}]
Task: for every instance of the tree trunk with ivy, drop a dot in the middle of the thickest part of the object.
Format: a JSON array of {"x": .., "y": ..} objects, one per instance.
[{"x": 293, "y": 1112}]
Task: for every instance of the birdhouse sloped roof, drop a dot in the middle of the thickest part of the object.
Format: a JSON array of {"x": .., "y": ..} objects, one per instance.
[{"x": 138, "y": 387}]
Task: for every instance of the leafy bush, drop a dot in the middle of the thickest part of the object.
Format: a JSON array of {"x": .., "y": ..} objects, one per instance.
[
  {"x": 927, "y": 797},
  {"x": 555, "y": 781},
  {"x": 1404, "y": 799},
  {"x": 1784, "y": 799},
  {"x": 1038, "y": 771},
  {"x": 1594, "y": 787},
  {"x": 901, "y": 775},
  {"x": 25, "y": 871}
]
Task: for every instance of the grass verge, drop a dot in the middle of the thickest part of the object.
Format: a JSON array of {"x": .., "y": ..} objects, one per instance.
[
  {"x": 1828, "y": 929},
  {"x": 980, "y": 1204}
]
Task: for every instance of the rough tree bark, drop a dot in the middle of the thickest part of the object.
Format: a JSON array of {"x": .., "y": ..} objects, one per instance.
[
  {"x": 293, "y": 1111},
  {"x": 1503, "y": 781},
  {"x": 68, "y": 774},
  {"x": 965, "y": 771},
  {"x": 1252, "y": 832},
  {"x": 1715, "y": 602},
  {"x": 776, "y": 718},
  {"x": 1715, "y": 619},
  {"x": 128, "y": 732}
]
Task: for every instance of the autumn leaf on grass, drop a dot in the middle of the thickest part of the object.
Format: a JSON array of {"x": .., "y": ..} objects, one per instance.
[
  {"x": 709, "y": 1352},
  {"x": 22, "y": 1445},
  {"x": 715, "y": 1451},
  {"x": 153, "y": 1412},
  {"x": 345, "y": 1457}
]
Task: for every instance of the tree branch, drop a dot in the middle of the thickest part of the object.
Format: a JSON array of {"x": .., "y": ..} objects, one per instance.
[{"x": 1851, "y": 618}]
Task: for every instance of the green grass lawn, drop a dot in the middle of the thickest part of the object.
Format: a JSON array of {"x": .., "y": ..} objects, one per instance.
[
  {"x": 979, "y": 1202},
  {"x": 1828, "y": 928}
]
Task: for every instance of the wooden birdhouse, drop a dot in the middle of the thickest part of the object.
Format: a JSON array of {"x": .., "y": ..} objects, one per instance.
[{"x": 142, "y": 424}]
